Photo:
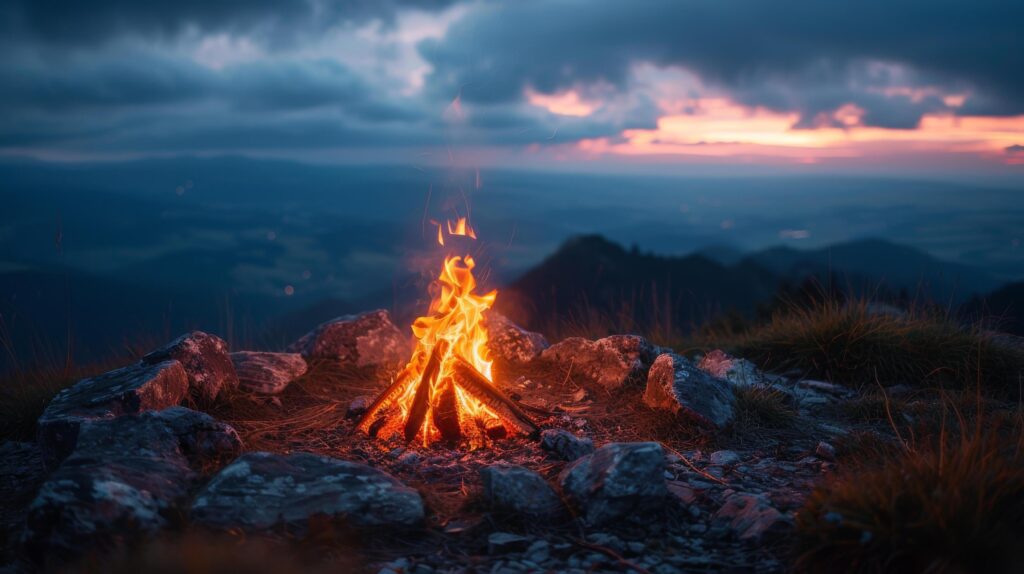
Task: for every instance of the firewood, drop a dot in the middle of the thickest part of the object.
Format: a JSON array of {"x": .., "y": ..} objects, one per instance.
[
  {"x": 382, "y": 402},
  {"x": 473, "y": 382},
  {"x": 446, "y": 413},
  {"x": 421, "y": 402}
]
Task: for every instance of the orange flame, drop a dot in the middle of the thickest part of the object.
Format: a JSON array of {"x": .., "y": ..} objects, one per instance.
[
  {"x": 461, "y": 228},
  {"x": 454, "y": 316}
]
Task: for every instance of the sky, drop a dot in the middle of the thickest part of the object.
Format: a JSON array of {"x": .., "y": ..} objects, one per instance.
[{"x": 913, "y": 86}]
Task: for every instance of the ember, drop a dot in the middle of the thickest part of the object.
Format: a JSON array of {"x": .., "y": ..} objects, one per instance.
[{"x": 446, "y": 392}]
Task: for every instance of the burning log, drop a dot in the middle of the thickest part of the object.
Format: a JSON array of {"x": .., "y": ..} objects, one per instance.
[
  {"x": 474, "y": 383},
  {"x": 446, "y": 413},
  {"x": 421, "y": 402},
  {"x": 386, "y": 399}
]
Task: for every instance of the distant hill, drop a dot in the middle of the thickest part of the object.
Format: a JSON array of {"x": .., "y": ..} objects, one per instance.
[
  {"x": 590, "y": 277},
  {"x": 1005, "y": 305},
  {"x": 875, "y": 265}
]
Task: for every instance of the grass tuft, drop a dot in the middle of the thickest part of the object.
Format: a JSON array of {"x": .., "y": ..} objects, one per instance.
[
  {"x": 953, "y": 505},
  {"x": 762, "y": 407},
  {"x": 849, "y": 343}
]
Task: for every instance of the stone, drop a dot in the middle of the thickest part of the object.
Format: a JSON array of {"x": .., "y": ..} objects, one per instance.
[
  {"x": 611, "y": 362},
  {"x": 127, "y": 478},
  {"x": 206, "y": 362},
  {"x": 505, "y": 542},
  {"x": 509, "y": 342},
  {"x": 617, "y": 481},
  {"x": 260, "y": 491},
  {"x": 751, "y": 516},
  {"x": 674, "y": 383},
  {"x": 724, "y": 458},
  {"x": 564, "y": 445},
  {"x": 738, "y": 372},
  {"x": 267, "y": 373},
  {"x": 129, "y": 390},
  {"x": 369, "y": 339},
  {"x": 358, "y": 406},
  {"x": 825, "y": 451},
  {"x": 21, "y": 473},
  {"x": 518, "y": 490}
]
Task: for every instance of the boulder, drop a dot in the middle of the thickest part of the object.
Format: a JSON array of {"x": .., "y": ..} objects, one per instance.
[
  {"x": 618, "y": 480},
  {"x": 751, "y": 517},
  {"x": 509, "y": 342},
  {"x": 738, "y": 372},
  {"x": 129, "y": 390},
  {"x": 206, "y": 362},
  {"x": 612, "y": 361},
  {"x": 518, "y": 490},
  {"x": 366, "y": 340},
  {"x": 564, "y": 445},
  {"x": 267, "y": 373},
  {"x": 260, "y": 491},
  {"x": 127, "y": 478},
  {"x": 674, "y": 383}
]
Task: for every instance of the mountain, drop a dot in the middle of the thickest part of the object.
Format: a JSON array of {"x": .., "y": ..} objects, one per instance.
[
  {"x": 591, "y": 278},
  {"x": 875, "y": 265}
]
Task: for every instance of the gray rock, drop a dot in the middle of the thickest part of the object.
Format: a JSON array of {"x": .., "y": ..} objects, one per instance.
[
  {"x": 505, "y": 542},
  {"x": 825, "y": 451},
  {"x": 366, "y": 340},
  {"x": 676, "y": 384},
  {"x": 751, "y": 517},
  {"x": 126, "y": 479},
  {"x": 509, "y": 342},
  {"x": 267, "y": 373},
  {"x": 738, "y": 372},
  {"x": 519, "y": 490},
  {"x": 724, "y": 457},
  {"x": 262, "y": 490},
  {"x": 129, "y": 390},
  {"x": 612, "y": 361},
  {"x": 206, "y": 362},
  {"x": 358, "y": 406},
  {"x": 21, "y": 473},
  {"x": 619, "y": 480},
  {"x": 564, "y": 445}
]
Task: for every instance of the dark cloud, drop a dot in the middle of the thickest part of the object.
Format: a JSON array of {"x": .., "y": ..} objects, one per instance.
[
  {"x": 1015, "y": 149},
  {"x": 740, "y": 45},
  {"x": 97, "y": 21}
]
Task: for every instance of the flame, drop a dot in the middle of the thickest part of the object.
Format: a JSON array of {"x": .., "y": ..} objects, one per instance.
[
  {"x": 461, "y": 228},
  {"x": 454, "y": 317}
]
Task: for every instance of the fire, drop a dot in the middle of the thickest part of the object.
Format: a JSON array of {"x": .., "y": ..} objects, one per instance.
[{"x": 446, "y": 390}]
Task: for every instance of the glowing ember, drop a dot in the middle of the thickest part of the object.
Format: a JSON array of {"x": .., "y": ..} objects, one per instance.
[{"x": 446, "y": 391}]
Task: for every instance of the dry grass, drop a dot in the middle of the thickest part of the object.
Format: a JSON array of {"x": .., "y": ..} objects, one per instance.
[
  {"x": 848, "y": 343},
  {"x": 953, "y": 502},
  {"x": 762, "y": 407}
]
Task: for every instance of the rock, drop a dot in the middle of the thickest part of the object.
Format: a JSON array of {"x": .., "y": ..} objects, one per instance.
[
  {"x": 129, "y": 390},
  {"x": 612, "y": 361},
  {"x": 267, "y": 373},
  {"x": 126, "y": 479},
  {"x": 751, "y": 517},
  {"x": 206, "y": 362},
  {"x": 505, "y": 542},
  {"x": 358, "y": 406},
  {"x": 675, "y": 384},
  {"x": 724, "y": 458},
  {"x": 21, "y": 473},
  {"x": 509, "y": 342},
  {"x": 739, "y": 372},
  {"x": 366, "y": 340},
  {"x": 565, "y": 445},
  {"x": 618, "y": 480},
  {"x": 262, "y": 490},
  {"x": 825, "y": 450},
  {"x": 518, "y": 490}
]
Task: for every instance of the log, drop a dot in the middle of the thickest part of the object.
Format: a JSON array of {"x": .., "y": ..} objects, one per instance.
[
  {"x": 473, "y": 382},
  {"x": 421, "y": 402},
  {"x": 382, "y": 402},
  {"x": 446, "y": 413}
]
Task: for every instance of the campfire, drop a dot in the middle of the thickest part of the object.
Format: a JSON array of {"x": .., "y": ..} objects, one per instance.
[{"x": 446, "y": 391}]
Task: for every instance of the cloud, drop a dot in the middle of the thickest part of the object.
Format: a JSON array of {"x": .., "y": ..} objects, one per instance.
[{"x": 802, "y": 55}]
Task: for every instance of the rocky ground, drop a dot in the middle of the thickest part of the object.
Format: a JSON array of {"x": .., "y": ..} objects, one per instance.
[{"x": 649, "y": 461}]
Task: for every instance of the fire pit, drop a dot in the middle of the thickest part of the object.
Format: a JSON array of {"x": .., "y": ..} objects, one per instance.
[{"x": 446, "y": 391}]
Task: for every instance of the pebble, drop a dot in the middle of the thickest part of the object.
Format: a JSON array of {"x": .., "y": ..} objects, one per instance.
[{"x": 724, "y": 457}]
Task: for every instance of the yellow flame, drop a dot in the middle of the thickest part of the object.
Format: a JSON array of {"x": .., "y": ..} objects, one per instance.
[{"x": 455, "y": 315}]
